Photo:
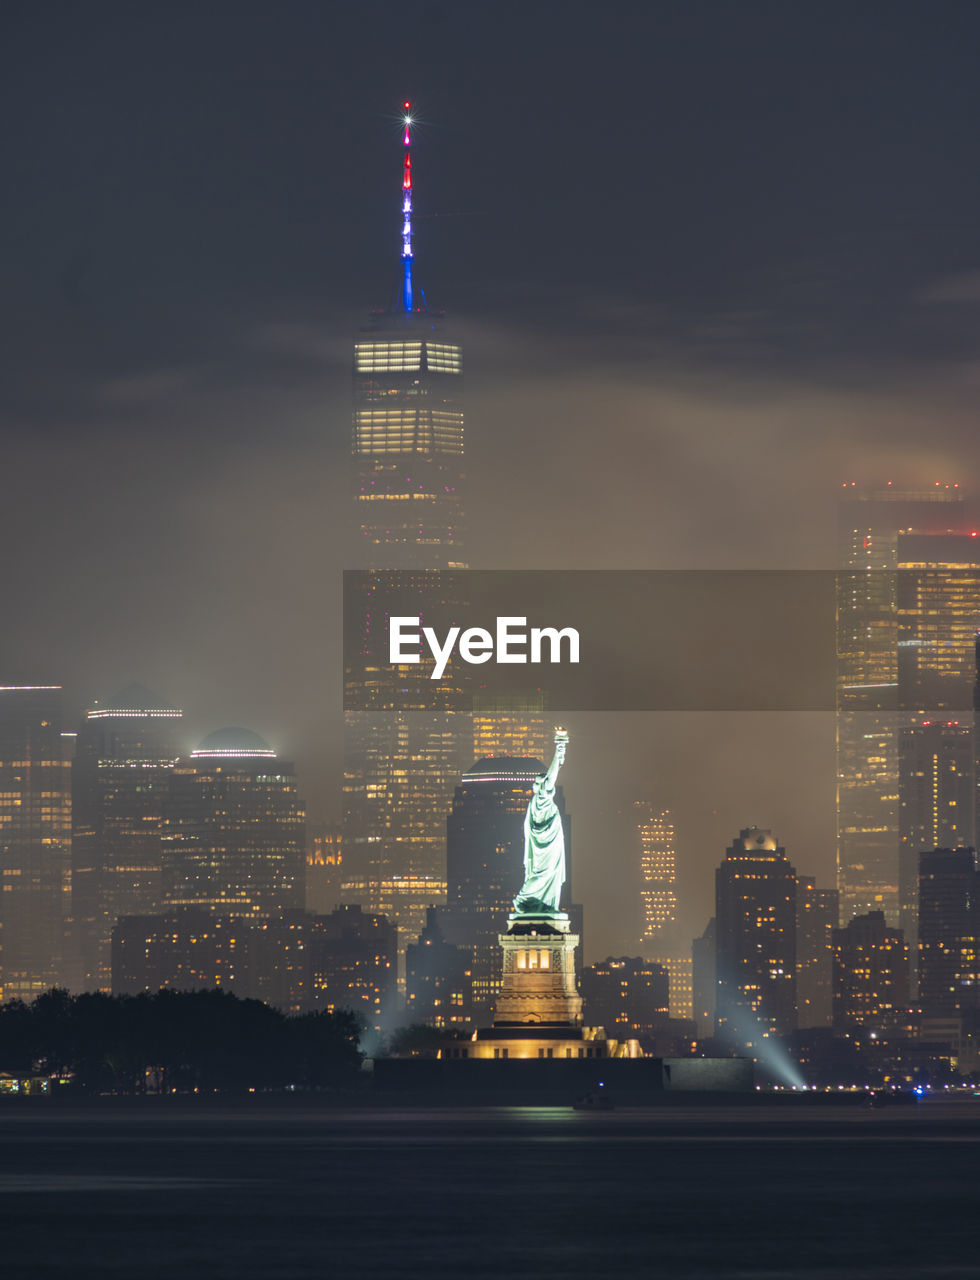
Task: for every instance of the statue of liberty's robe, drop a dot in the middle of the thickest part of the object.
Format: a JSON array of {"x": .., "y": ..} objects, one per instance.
[{"x": 544, "y": 853}]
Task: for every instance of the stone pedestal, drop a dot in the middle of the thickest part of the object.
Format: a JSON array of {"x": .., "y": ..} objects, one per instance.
[
  {"x": 539, "y": 987},
  {"x": 539, "y": 1009}
]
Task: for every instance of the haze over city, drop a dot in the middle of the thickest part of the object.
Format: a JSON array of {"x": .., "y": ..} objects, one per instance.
[
  {"x": 311, "y": 978},
  {"x": 687, "y": 318}
]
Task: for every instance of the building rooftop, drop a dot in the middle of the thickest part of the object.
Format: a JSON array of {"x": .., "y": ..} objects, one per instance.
[
  {"x": 133, "y": 700},
  {"x": 504, "y": 769},
  {"x": 233, "y": 743}
]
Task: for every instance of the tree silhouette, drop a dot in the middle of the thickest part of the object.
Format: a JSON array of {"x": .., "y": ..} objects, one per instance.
[{"x": 176, "y": 1041}]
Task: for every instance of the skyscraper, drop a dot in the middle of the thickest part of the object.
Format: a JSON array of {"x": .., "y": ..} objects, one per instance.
[
  {"x": 871, "y": 974},
  {"x": 626, "y": 996},
  {"x": 755, "y": 912},
  {"x": 938, "y": 607},
  {"x": 938, "y": 610},
  {"x": 508, "y": 724},
  {"x": 438, "y": 979},
  {"x": 935, "y": 763},
  {"x": 870, "y": 521},
  {"x": 817, "y": 911},
  {"x": 234, "y": 829},
  {"x": 704, "y": 981},
  {"x": 400, "y": 764},
  {"x": 35, "y": 840},
  {"x": 658, "y": 871},
  {"x": 949, "y": 932},
  {"x": 407, "y": 444},
  {"x": 659, "y": 939},
  {"x": 124, "y": 755}
]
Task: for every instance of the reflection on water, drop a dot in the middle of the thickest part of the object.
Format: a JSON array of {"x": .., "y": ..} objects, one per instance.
[
  {"x": 278, "y": 1190},
  {"x": 60, "y": 1183}
]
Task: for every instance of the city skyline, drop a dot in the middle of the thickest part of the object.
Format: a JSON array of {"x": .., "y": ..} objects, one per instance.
[
  {"x": 715, "y": 365},
  {"x": 328, "y": 330}
]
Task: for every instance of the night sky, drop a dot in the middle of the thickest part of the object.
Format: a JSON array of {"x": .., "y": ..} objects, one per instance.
[{"x": 707, "y": 260}]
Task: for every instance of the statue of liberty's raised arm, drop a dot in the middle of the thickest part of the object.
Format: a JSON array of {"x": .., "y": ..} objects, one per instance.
[{"x": 544, "y": 843}]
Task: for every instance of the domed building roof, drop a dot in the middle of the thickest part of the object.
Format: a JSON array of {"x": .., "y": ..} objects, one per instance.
[{"x": 233, "y": 743}]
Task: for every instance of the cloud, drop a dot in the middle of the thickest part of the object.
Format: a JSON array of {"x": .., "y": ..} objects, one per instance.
[
  {"x": 147, "y": 388},
  {"x": 213, "y": 573},
  {"x": 312, "y": 344},
  {"x": 964, "y": 287}
]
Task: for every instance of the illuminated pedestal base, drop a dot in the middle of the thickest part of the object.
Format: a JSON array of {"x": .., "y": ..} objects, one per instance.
[
  {"x": 539, "y": 1009},
  {"x": 539, "y": 973}
]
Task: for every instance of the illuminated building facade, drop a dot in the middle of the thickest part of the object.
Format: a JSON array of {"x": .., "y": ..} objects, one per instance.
[
  {"x": 704, "y": 982},
  {"x": 870, "y": 521},
  {"x": 407, "y": 444},
  {"x": 124, "y": 757},
  {"x": 438, "y": 979},
  {"x": 949, "y": 932},
  {"x": 658, "y": 870},
  {"x": 508, "y": 724},
  {"x": 755, "y": 912},
  {"x": 871, "y": 975},
  {"x": 297, "y": 961},
  {"x": 400, "y": 765},
  {"x": 935, "y": 760},
  {"x": 324, "y": 869},
  {"x": 183, "y": 950},
  {"x": 354, "y": 963},
  {"x": 680, "y": 971},
  {"x": 817, "y": 912},
  {"x": 35, "y": 840},
  {"x": 234, "y": 829},
  {"x": 628, "y": 997},
  {"x": 485, "y": 861},
  {"x": 658, "y": 893},
  {"x": 938, "y": 615},
  {"x": 938, "y": 610}
]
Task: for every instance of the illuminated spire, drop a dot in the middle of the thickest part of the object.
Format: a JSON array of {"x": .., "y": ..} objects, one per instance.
[{"x": 407, "y": 305}]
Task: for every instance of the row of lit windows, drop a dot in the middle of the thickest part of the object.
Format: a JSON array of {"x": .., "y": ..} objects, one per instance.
[
  {"x": 409, "y": 417},
  {"x": 550, "y": 1053},
  {"x": 371, "y": 357},
  {"x": 378, "y": 444},
  {"x": 443, "y": 359},
  {"x": 395, "y": 497},
  {"x": 405, "y": 357},
  {"x": 534, "y": 959},
  {"x": 409, "y": 437}
]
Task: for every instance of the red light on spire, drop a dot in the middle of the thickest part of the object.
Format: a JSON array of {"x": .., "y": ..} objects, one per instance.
[{"x": 407, "y": 174}]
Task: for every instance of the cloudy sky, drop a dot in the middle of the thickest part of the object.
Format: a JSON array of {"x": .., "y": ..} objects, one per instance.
[{"x": 707, "y": 260}]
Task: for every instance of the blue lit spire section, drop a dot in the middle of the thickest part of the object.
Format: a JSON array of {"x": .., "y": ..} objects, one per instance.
[{"x": 407, "y": 304}]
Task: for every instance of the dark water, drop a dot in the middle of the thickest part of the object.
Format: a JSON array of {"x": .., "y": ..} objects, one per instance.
[{"x": 145, "y": 1190}]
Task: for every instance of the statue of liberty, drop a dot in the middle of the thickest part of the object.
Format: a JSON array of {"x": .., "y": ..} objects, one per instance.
[{"x": 544, "y": 843}]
